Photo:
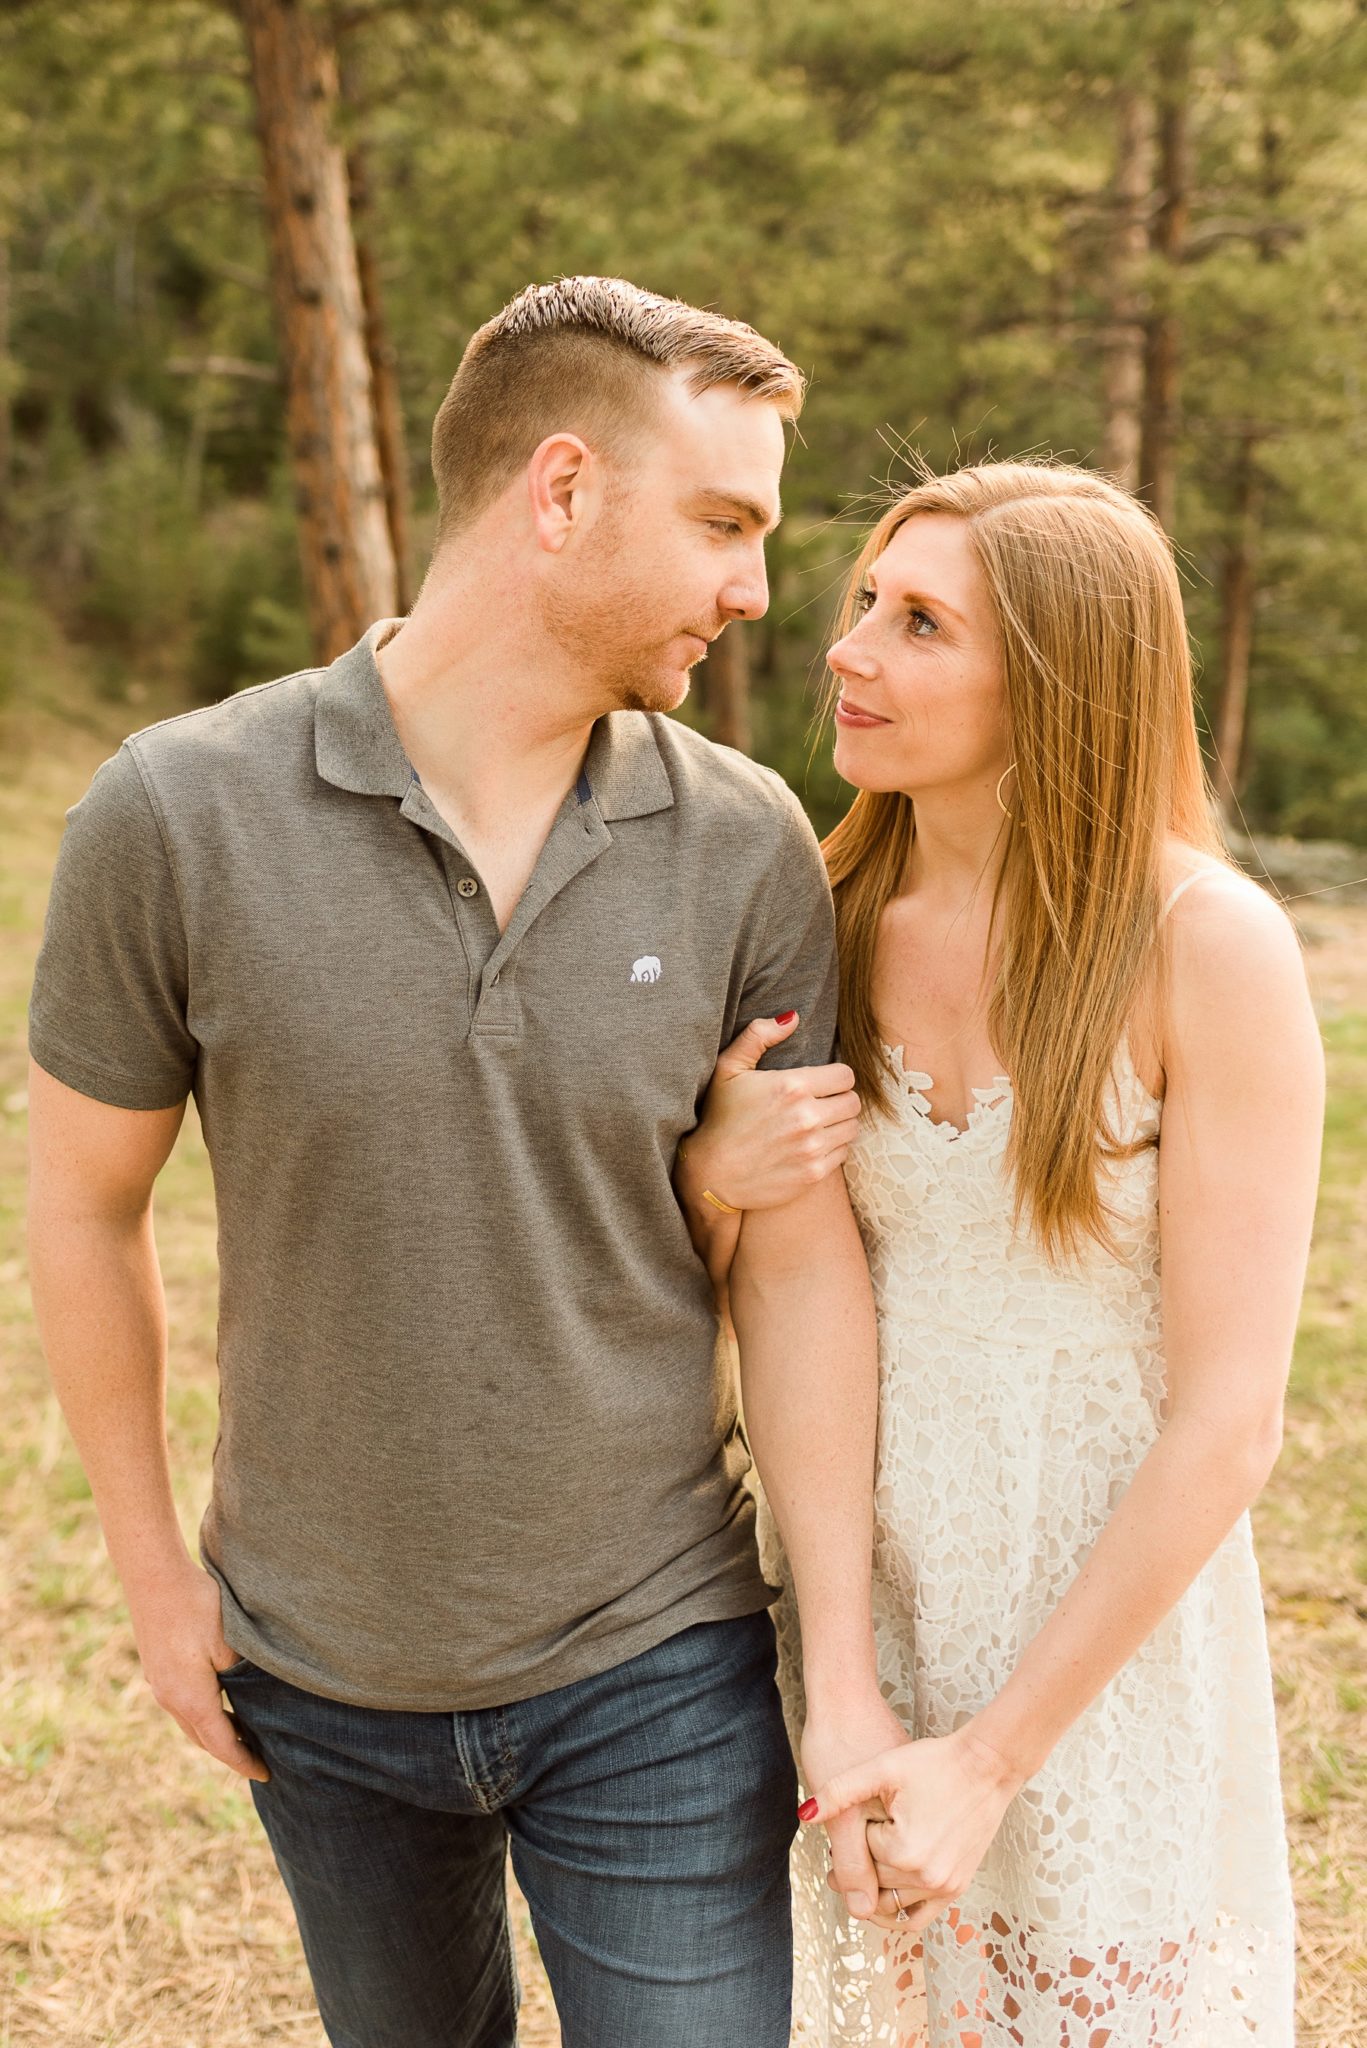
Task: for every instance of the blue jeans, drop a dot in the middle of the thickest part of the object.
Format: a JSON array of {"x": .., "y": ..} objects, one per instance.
[{"x": 649, "y": 1809}]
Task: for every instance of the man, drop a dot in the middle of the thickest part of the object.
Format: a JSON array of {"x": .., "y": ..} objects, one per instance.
[{"x": 445, "y": 940}]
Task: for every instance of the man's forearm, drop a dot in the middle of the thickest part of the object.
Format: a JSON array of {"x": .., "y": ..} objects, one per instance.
[
  {"x": 102, "y": 1318},
  {"x": 803, "y": 1311},
  {"x": 714, "y": 1232}
]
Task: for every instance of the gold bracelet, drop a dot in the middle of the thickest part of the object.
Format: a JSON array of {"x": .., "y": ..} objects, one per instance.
[{"x": 727, "y": 1208}]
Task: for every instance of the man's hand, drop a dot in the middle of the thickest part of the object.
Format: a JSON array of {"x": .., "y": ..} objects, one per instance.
[
  {"x": 834, "y": 1745},
  {"x": 179, "y": 1632}
]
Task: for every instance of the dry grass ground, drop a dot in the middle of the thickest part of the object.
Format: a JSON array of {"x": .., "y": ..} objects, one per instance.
[{"x": 138, "y": 1904}]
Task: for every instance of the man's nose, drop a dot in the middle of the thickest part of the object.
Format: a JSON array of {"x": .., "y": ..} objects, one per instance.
[{"x": 746, "y": 596}]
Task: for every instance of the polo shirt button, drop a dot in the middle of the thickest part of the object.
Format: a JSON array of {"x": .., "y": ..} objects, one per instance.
[{"x": 467, "y": 886}]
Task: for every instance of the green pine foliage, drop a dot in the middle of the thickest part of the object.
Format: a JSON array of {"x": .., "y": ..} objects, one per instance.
[{"x": 909, "y": 195}]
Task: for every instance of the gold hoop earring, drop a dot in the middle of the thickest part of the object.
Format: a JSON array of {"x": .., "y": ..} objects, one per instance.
[{"x": 1000, "y": 780}]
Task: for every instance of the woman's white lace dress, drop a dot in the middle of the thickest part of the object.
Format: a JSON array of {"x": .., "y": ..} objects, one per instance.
[{"x": 1137, "y": 1894}]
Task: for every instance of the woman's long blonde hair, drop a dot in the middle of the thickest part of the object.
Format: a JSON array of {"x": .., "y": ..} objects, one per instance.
[{"x": 1100, "y": 725}]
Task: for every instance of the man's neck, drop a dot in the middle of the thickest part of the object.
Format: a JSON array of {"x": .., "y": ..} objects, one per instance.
[{"x": 491, "y": 718}]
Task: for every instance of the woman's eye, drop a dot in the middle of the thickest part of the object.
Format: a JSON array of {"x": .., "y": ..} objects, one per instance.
[{"x": 920, "y": 623}]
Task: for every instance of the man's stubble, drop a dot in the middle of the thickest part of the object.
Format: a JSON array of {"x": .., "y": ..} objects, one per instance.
[{"x": 616, "y": 626}]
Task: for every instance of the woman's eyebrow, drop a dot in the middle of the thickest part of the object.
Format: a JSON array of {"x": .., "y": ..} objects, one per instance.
[{"x": 921, "y": 597}]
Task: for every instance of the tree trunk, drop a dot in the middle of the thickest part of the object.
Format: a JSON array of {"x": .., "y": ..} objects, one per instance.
[
  {"x": 1162, "y": 347},
  {"x": 384, "y": 374},
  {"x": 384, "y": 377},
  {"x": 726, "y": 685},
  {"x": 349, "y": 570},
  {"x": 1128, "y": 242},
  {"x": 6, "y": 391},
  {"x": 1238, "y": 578},
  {"x": 1236, "y": 621}
]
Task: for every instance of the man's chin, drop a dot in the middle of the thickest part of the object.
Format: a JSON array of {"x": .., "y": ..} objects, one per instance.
[{"x": 664, "y": 691}]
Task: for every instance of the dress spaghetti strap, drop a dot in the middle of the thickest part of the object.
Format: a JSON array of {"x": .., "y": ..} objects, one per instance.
[{"x": 1196, "y": 875}]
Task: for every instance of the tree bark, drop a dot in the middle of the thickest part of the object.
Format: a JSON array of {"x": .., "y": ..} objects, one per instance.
[
  {"x": 1238, "y": 578},
  {"x": 6, "y": 391},
  {"x": 726, "y": 689},
  {"x": 1162, "y": 347},
  {"x": 384, "y": 357},
  {"x": 349, "y": 569},
  {"x": 1127, "y": 247},
  {"x": 1237, "y": 588},
  {"x": 384, "y": 377}
]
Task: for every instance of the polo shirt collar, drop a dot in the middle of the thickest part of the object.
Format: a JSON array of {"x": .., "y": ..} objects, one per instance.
[
  {"x": 357, "y": 747},
  {"x": 355, "y": 743},
  {"x": 623, "y": 768}
]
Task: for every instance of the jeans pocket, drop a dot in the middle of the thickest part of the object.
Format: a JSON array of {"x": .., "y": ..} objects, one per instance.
[{"x": 237, "y": 1669}]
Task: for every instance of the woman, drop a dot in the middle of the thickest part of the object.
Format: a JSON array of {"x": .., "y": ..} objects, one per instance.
[{"x": 1084, "y": 1333}]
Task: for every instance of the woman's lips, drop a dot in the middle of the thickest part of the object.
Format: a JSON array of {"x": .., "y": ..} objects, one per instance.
[{"x": 847, "y": 713}]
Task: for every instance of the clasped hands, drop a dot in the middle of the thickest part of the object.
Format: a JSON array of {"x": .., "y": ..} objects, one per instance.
[{"x": 915, "y": 1820}]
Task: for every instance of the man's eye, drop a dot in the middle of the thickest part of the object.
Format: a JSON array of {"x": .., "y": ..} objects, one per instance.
[{"x": 730, "y": 527}]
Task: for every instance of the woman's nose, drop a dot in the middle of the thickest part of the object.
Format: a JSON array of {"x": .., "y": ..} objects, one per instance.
[{"x": 847, "y": 658}]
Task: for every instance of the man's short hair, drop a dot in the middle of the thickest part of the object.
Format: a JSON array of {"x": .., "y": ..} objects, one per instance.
[{"x": 582, "y": 356}]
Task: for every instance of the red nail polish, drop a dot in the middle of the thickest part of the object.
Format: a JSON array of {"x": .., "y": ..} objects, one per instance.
[
  {"x": 807, "y": 1810},
  {"x": 786, "y": 1018}
]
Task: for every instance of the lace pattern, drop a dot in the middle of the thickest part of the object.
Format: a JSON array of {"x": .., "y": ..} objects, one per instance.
[{"x": 1137, "y": 1894}]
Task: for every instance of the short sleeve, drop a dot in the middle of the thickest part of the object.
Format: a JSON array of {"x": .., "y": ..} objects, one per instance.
[
  {"x": 796, "y": 966},
  {"x": 108, "y": 1011}
]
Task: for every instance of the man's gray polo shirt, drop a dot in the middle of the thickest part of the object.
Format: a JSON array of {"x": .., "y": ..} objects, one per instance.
[{"x": 476, "y": 1437}]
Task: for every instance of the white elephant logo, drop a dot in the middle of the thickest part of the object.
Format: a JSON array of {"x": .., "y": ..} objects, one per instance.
[{"x": 647, "y": 968}]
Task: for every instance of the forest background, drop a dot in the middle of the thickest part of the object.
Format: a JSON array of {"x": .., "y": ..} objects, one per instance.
[{"x": 1130, "y": 234}]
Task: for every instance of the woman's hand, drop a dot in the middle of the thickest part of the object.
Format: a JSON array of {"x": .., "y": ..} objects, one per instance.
[
  {"x": 766, "y": 1137},
  {"x": 762, "y": 1140},
  {"x": 944, "y": 1798}
]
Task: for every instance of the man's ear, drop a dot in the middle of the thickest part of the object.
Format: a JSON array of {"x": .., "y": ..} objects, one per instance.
[{"x": 557, "y": 487}]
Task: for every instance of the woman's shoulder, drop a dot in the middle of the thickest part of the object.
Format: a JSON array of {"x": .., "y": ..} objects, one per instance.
[
  {"x": 1215, "y": 914},
  {"x": 1193, "y": 876},
  {"x": 1233, "y": 960}
]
